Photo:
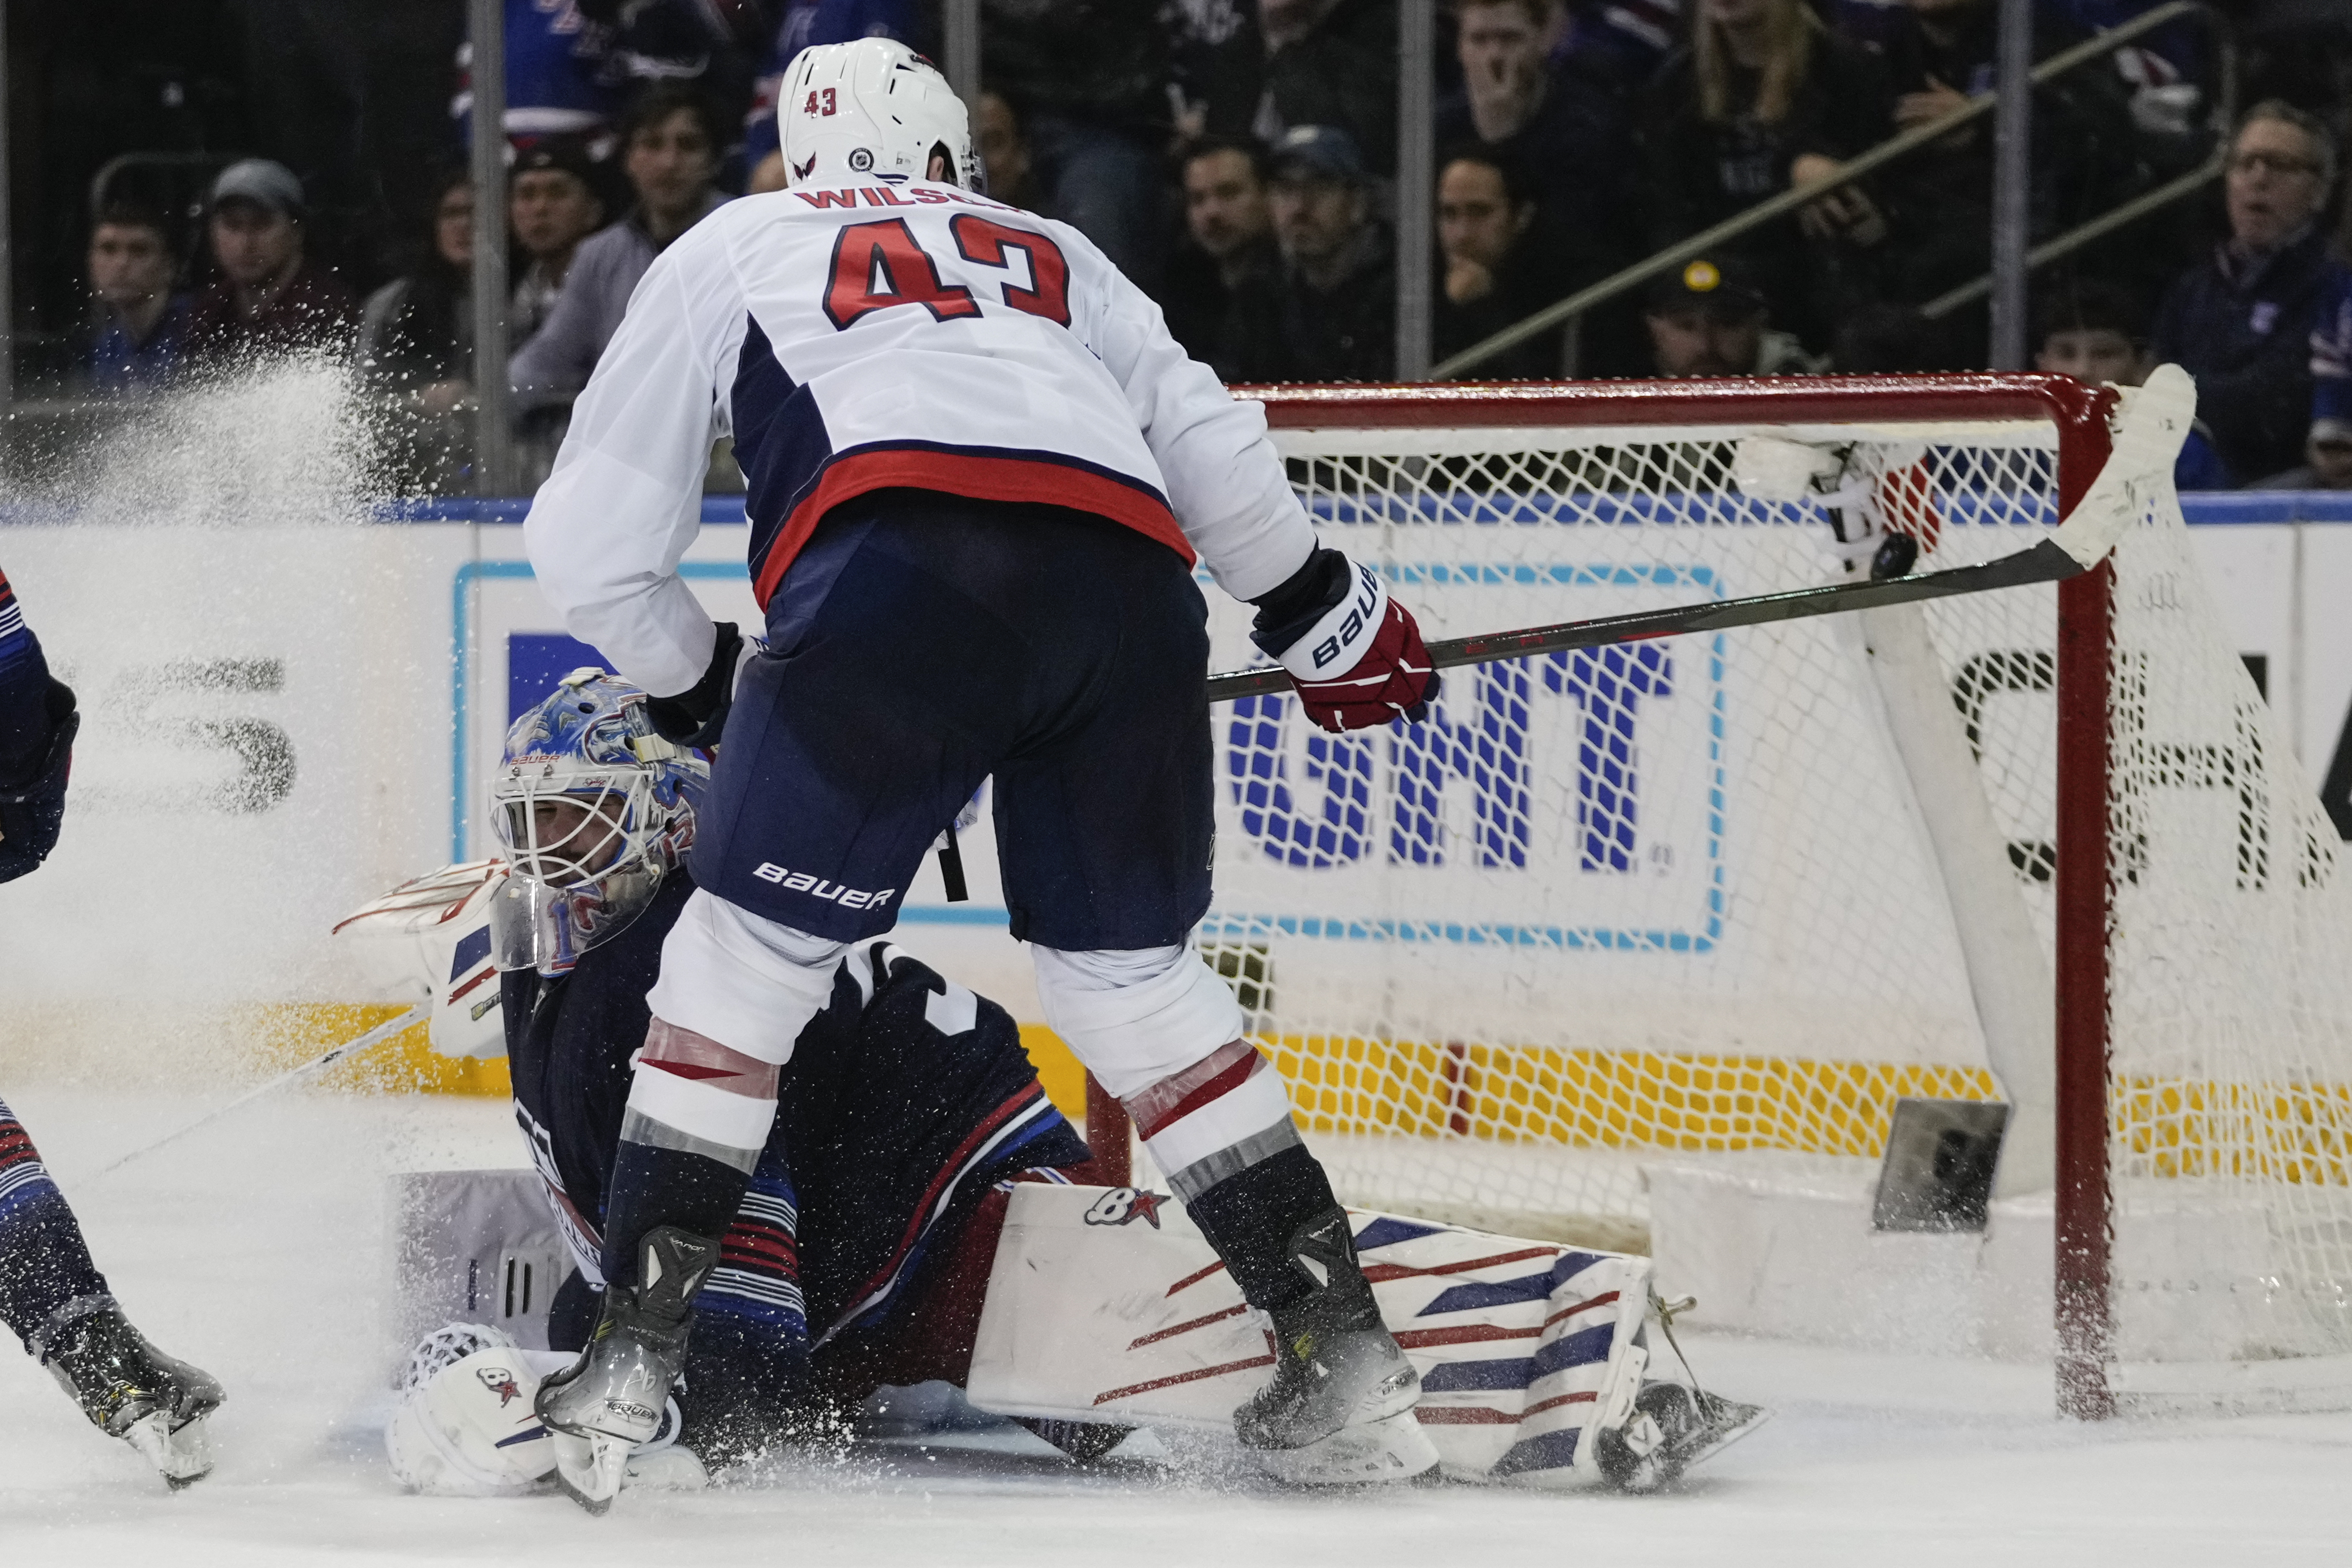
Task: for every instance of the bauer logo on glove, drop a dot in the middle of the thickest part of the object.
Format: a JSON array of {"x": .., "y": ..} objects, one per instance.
[{"x": 1354, "y": 653}]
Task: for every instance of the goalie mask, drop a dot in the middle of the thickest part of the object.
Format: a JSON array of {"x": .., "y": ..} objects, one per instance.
[
  {"x": 592, "y": 808},
  {"x": 871, "y": 110}
]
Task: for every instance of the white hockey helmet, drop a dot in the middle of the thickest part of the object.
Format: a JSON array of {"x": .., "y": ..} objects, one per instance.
[{"x": 870, "y": 110}]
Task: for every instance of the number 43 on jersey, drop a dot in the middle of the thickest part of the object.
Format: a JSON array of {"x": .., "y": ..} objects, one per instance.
[{"x": 879, "y": 265}]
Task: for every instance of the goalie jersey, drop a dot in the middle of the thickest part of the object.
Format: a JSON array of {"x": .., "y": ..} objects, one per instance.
[{"x": 880, "y": 336}]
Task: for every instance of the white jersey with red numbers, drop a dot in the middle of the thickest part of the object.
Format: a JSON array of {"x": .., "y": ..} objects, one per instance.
[{"x": 873, "y": 335}]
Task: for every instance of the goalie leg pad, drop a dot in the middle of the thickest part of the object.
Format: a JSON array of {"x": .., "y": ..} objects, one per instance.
[{"x": 1110, "y": 1306}]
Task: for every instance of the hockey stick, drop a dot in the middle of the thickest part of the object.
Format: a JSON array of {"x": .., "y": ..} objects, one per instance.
[
  {"x": 375, "y": 1036},
  {"x": 2155, "y": 421}
]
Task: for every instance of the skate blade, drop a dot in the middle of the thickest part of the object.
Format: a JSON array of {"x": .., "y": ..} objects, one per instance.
[
  {"x": 1727, "y": 1421},
  {"x": 182, "y": 1458},
  {"x": 1392, "y": 1449},
  {"x": 589, "y": 1466},
  {"x": 667, "y": 1470}
]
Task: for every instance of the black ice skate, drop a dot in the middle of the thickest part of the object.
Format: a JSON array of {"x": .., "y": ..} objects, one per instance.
[
  {"x": 611, "y": 1399},
  {"x": 130, "y": 1390},
  {"x": 1340, "y": 1408},
  {"x": 1671, "y": 1429}
]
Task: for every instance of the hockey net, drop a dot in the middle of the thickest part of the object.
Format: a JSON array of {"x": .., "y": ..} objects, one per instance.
[{"x": 1712, "y": 896}]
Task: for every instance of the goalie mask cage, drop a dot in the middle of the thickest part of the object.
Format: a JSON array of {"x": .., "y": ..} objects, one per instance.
[{"x": 1728, "y": 896}]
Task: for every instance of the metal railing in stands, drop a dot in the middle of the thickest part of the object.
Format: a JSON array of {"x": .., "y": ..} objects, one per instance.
[{"x": 1625, "y": 279}]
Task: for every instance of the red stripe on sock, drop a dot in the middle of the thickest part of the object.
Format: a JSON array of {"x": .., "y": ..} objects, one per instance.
[
  {"x": 1216, "y": 1088},
  {"x": 694, "y": 1070}
]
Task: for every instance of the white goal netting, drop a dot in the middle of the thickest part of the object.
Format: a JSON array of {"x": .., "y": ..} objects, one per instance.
[{"x": 1693, "y": 895}]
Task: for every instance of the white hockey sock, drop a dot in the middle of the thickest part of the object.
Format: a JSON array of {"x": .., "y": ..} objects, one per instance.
[{"x": 745, "y": 982}]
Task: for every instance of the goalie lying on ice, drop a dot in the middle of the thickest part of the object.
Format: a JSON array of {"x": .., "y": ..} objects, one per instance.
[{"x": 887, "y": 1237}]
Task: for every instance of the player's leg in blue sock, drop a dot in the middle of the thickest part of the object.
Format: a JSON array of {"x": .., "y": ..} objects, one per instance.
[{"x": 47, "y": 1278}]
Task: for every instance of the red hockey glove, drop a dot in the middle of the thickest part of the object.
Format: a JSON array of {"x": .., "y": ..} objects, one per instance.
[{"x": 1353, "y": 652}]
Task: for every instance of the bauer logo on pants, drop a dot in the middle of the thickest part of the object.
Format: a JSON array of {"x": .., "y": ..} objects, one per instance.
[{"x": 817, "y": 887}]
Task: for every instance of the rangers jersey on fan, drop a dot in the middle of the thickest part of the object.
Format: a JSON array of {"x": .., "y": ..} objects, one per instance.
[{"x": 876, "y": 336}]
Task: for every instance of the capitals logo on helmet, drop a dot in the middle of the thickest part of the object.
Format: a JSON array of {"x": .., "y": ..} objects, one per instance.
[
  {"x": 592, "y": 808},
  {"x": 871, "y": 110}
]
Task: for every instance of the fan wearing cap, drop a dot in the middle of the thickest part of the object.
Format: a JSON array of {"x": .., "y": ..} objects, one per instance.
[
  {"x": 1331, "y": 315},
  {"x": 1710, "y": 320},
  {"x": 670, "y": 143},
  {"x": 551, "y": 206},
  {"x": 271, "y": 297}
]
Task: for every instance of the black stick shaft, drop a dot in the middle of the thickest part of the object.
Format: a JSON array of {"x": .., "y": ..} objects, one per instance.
[
  {"x": 2045, "y": 562},
  {"x": 951, "y": 870}
]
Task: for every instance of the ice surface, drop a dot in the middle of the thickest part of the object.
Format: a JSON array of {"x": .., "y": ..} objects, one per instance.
[{"x": 256, "y": 1248}]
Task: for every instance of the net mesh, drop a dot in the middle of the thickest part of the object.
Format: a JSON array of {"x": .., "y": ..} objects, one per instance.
[{"x": 1685, "y": 896}]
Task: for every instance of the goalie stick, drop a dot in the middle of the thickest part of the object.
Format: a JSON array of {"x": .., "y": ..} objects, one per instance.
[
  {"x": 2155, "y": 421},
  {"x": 333, "y": 1054}
]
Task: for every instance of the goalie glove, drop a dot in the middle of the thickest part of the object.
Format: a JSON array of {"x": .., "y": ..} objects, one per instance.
[
  {"x": 697, "y": 716},
  {"x": 1354, "y": 655}
]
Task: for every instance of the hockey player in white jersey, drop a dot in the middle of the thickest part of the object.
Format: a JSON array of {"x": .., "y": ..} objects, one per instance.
[{"x": 979, "y": 474}]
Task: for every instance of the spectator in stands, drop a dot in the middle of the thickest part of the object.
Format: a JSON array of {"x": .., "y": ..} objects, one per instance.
[
  {"x": 1329, "y": 63},
  {"x": 1003, "y": 149},
  {"x": 1567, "y": 137},
  {"x": 670, "y": 142},
  {"x": 2242, "y": 321},
  {"x": 143, "y": 324},
  {"x": 1764, "y": 97},
  {"x": 1228, "y": 251},
  {"x": 2327, "y": 462},
  {"x": 1485, "y": 221},
  {"x": 551, "y": 207},
  {"x": 1710, "y": 320},
  {"x": 1940, "y": 53},
  {"x": 1088, "y": 79},
  {"x": 1331, "y": 313},
  {"x": 2329, "y": 451},
  {"x": 2090, "y": 330},
  {"x": 417, "y": 332},
  {"x": 269, "y": 297}
]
